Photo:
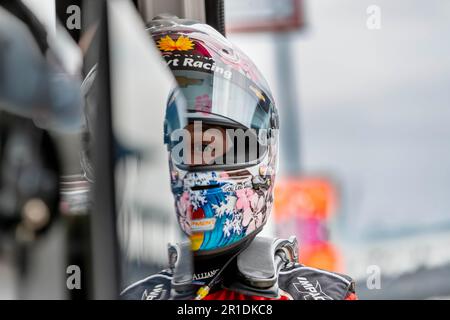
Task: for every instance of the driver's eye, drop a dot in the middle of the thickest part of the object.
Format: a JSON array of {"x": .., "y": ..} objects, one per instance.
[
  {"x": 197, "y": 148},
  {"x": 208, "y": 148},
  {"x": 202, "y": 147}
]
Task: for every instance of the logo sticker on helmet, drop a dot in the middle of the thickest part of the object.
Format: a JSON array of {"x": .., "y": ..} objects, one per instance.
[
  {"x": 182, "y": 44},
  {"x": 197, "y": 63},
  {"x": 203, "y": 225}
]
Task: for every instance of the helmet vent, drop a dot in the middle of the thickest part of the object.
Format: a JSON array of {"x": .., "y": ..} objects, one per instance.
[{"x": 206, "y": 187}]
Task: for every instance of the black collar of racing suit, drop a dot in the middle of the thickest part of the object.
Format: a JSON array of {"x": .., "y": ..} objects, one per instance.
[{"x": 251, "y": 271}]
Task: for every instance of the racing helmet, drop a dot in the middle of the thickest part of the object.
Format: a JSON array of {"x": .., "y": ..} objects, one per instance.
[{"x": 221, "y": 130}]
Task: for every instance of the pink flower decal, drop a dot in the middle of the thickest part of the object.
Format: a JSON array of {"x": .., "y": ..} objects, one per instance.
[
  {"x": 252, "y": 206},
  {"x": 244, "y": 199},
  {"x": 223, "y": 175},
  {"x": 203, "y": 103},
  {"x": 184, "y": 209}
]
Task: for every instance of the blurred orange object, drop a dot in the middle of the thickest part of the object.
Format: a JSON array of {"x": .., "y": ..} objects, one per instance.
[
  {"x": 321, "y": 255},
  {"x": 304, "y": 197},
  {"x": 303, "y": 207}
]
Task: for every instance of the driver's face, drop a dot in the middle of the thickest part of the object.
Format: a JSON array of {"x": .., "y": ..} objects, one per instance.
[{"x": 208, "y": 142}]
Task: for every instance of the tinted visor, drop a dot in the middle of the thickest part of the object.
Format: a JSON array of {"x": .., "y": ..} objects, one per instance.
[
  {"x": 226, "y": 121},
  {"x": 228, "y": 95}
]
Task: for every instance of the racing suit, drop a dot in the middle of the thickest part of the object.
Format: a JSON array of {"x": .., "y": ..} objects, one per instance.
[{"x": 253, "y": 276}]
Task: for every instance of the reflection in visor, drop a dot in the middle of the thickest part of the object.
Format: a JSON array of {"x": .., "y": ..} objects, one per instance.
[
  {"x": 238, "y": 100},
  {"x": 200, "y": 145}
]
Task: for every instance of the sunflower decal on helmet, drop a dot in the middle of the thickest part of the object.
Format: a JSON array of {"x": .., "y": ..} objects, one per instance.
[{"x": 181, "y": 44}]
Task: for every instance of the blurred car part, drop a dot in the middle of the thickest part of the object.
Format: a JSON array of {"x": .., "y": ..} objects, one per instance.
[
  {"x": 29, "y": 177},
  {"x": 39, "y": 88},
  {"x": 38, "y": 71},
  {"x": 192, "y": 9},
  {"x": 304, "y": 207},
  {"x": 264, "y": 15}
]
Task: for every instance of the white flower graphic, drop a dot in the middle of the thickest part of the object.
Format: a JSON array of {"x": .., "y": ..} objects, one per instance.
[
  {"x": 225, "y": 208},
  {"x": 197, "y": 199},
  {"x": 237, "y": 224},
  {"x": 183, "y": 212},
  {"x": 227, "y": 228}
]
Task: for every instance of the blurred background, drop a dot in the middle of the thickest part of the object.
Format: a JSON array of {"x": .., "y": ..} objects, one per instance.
[
  {"x": 364, "y": 176},
  {"x": 372, "y": 108}
]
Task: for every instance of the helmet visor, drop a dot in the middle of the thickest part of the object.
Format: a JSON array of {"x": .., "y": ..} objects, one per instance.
[
  {"x": 238, "y": 100},
  {"x": 227, "y": 121}
]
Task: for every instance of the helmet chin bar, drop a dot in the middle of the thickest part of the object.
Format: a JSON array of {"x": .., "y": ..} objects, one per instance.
[
  {"x": 251, "y": 185},
  {"x": 228, "y": 250}
]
